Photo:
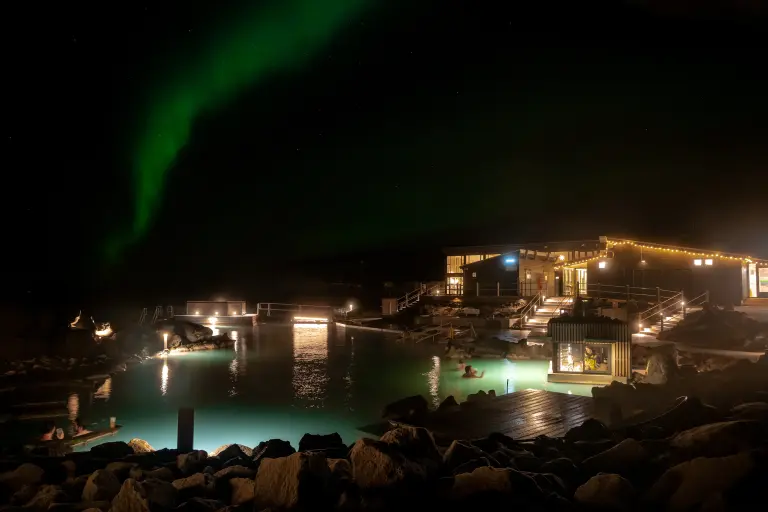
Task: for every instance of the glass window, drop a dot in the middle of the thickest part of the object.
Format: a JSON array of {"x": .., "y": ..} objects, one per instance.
[
  {"x": 570, "y": 358},
  {"x": 454, "y": 264},
  {"x": 584, "y": 358},
  {"x": 473, "y": 258},
  {"x": 597, "y": 358},
  {"x": 455, "y": 286}
]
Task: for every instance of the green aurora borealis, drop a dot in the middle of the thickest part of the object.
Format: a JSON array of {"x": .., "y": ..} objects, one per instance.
[{"x": 249, "y": 48}]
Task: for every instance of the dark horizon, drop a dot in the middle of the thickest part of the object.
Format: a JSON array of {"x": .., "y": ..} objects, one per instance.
[{"x": 414, "y": 126}]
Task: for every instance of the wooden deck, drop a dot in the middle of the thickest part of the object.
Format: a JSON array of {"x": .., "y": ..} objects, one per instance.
[{"x": 521, "y": 415}]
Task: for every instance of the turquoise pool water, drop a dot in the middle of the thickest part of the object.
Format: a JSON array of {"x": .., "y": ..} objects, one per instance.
[{"x": 282, "y": 381}]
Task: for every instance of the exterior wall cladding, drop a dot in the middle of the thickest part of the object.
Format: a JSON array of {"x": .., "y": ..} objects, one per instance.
[
  {"x": 487, "y": 273},
  {"x": 670, "y": 271}
]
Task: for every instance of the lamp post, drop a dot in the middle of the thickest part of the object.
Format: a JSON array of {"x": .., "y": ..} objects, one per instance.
[{"x": 165, "y": 341}]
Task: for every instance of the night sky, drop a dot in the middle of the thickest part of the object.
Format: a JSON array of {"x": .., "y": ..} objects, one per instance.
[{"x": 305, "y": 137}]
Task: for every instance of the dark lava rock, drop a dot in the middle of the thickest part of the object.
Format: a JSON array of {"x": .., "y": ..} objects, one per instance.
[
  {"x": 273, "y": 449},
  {"x": 112, "y": 450},
  {"x": 320, "y": 442},
  {"x": 590, "y": 430},
  {"x": 412, "y": 406},
  {"x": 448, "y": 403}
]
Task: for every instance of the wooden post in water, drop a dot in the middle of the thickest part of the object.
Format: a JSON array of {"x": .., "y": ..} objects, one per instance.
[{"x": 185, "y": 437}]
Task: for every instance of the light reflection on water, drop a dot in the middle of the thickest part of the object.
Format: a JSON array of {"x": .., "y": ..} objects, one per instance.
[
  {"x": 164, "y": 375},
  {"x": 284, "y": 381},
  {"x": 310, "y": 364}
]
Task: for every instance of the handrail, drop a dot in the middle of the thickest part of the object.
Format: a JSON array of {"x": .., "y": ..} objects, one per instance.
[
  {"x": 414, "y": 296},
  {"x": 536, "y": 300},
  {"x": 660, "y": 307},
  {"x": 693, "y": 302}
]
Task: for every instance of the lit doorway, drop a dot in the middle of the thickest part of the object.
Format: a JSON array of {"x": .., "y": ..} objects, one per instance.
[
  {"x": 581, "y": 279},
  {"x": 752, "y": 279}
]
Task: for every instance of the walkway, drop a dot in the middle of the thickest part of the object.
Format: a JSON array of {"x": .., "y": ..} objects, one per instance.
[
  {"x": 649, "y": 340},
  {"x": 521, "y": 415}
]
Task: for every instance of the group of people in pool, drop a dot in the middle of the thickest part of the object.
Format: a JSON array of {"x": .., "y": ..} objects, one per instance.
[{"x": 51, "y": 433}]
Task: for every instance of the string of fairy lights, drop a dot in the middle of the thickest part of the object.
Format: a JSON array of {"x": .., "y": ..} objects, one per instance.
[{"x": 670, "y": 250}]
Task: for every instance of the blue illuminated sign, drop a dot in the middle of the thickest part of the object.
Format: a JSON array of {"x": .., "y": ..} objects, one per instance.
[{"x": 509, "y": 260}]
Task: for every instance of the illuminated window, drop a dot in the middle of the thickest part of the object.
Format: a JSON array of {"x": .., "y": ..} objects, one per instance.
[
  {"x": 708, "y": 262},
  {"x": 601, "y": 264},
  {"x": 697, "y": 263},
  {"x": 584, "y": 358},
  {"x": 473, "y": 258},
  {"x": 454, "y": 264},
  {"x": 489, "y": 256}
]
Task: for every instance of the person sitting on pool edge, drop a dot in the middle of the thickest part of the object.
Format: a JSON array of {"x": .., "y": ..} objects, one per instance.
[
  {"x": 471, "y": 373},
  {"x": 79, "y": 428}
]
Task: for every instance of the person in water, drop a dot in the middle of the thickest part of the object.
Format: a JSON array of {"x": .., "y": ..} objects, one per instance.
[
  {"x": 461, "y": 365},
  {"x": 51, "y": 433},
  {"x": 79, "y": 428},
  {"x": 471, "y": 373}
]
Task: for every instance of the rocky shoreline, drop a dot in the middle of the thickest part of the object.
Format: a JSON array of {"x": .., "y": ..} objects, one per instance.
[{"x": 694, "y": 457}]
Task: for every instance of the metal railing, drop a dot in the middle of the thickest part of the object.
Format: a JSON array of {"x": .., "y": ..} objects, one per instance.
[
  {"x": 414, "y": 296},
  {"x": 267, "y": 308},
  {"x": 534, "y": 303},
  {"x": 661, "y": 309},
  {"x": 684, "y": 307},
  {"x": 618, "y": 292}
]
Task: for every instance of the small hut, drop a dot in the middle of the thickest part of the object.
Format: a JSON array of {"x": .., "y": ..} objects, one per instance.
[{"x": 590, "y": 350}]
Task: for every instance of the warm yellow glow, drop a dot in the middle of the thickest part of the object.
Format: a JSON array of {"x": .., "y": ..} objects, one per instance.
[
  {"x": 104, "y": 330},
  {"x": 561, "y": 257},
  {"x": 73, "y": 406},
  {"x": 316, "y": 319},
  {"x": 164, "y": 378},
  {"x": 212, "y": 320},
  {"x": 708, "y": 261},
  {"x": 197, "y": 312},
  {"x": 165, "y": 341},
  {"x": 216, "y": 313},
  {"x": 601, "y": 264},
  {"x": 697, "y": 263}
]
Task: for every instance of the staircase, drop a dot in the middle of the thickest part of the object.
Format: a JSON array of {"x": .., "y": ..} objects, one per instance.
[
  {"x": 667, "y": 314},
  {"x": 411, "y": 298},
  {"x": 539, "y": 311}
]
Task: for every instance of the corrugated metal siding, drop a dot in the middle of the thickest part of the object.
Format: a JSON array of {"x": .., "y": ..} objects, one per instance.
[{"x": 567, "y": 331}]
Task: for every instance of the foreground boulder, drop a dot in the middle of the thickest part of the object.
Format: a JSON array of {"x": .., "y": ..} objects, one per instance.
[
  {"x": 131, "y": 498},
  {"x": 717, "y": 439},
  {"x": 699, "y": 481},
  {"x": 606, "y": 491},
  {"x": 496, "y": 481},
  {"x": 377, "y": 465},
  {"x": 101, "y": 485},
  {"x": 287, "y": 482},
  {"x": 26, "y": 474}
]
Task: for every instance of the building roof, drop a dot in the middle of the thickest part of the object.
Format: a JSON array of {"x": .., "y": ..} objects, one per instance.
[
  {"x": 692, "y": 251},
  {"x": 555, "y": 246}
]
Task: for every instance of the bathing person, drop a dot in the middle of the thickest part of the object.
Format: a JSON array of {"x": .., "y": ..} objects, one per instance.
[
  {"x": 49, "y": 430},
  {"x": 461, "y": 365},
  {"x": 471, "y": 373}
]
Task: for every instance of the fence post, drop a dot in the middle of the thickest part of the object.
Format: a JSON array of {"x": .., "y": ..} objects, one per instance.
[
  {"x": 498, "y": 289},
  {"x": 599, "y": 291},
  {"x": 185, "y": 431},
  {"x": 706, "y": 297},
  {"x": 477, "y": 288},
  {"x": 682, "y": 301},
  {"x": 629, "y": 294}
]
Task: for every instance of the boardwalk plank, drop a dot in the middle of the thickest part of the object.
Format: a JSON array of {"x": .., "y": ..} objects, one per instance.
[{"x": 523, "y": 414}]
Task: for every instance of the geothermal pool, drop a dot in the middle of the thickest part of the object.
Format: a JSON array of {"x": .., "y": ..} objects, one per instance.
[{"x": 281, "y": 381}]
